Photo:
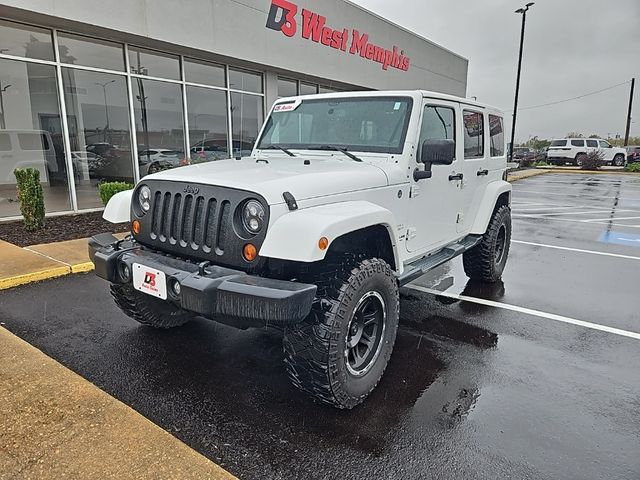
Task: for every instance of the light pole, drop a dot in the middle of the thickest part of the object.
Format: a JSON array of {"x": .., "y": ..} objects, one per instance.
[
  {"x": 2, "y": 90},
  {"x": 106, "y": 108},
  {"x": 523, "y": 11}
]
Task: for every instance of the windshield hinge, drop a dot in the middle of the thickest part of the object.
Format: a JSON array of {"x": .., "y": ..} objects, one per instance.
[{"x": 290, "y": 200}]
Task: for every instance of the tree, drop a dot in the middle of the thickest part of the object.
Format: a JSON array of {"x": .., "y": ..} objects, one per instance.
[
  {"x": 574, "y": 135},
  {"x": 594, "y": 135}
]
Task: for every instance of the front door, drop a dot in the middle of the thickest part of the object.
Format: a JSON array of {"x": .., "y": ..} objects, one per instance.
[{"x": 434, "y": 202}]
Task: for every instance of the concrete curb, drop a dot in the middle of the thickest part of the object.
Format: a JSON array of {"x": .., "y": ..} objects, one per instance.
[
  {"x": 585, "y": 172},
  {"x": 514, "y": 177},
  {"x": 57, "y": 424},
  {"x": 31, "y": 277}
]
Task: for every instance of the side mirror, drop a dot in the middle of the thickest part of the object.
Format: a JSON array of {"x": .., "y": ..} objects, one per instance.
[{"x": 438, "y": 151}]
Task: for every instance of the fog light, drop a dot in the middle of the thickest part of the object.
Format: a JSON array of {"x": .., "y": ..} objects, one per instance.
[
  {"x": 249, "y": 252},
  {"x": 175, "y": 287},
  {"x": 124, "y": 271}
]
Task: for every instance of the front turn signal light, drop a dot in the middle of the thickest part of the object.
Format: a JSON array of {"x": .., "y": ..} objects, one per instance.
[
  {"x": 323, "y": 243},
  {"x": 135, "y": 227},
  {"x": 249, "y": 252}
]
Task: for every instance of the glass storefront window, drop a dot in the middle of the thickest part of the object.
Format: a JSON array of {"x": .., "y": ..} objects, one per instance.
[
  {"x": 78, "y": 50},
  {"x": 207, "y": 124},
  {"x": 244, "y": 80},
  {"x": 323, "y": 89},
  {"x": 308, "y": 88},
  {"x": 287, "y": 87},
  {"x": 159, "y": 125},
  {"x": 154, "y": 64},
  {"x": 25, "y": 41},
  {"x": 31, "y": 134},
  {"x": 98, "y": 118},
  {"x": 204, "y": 73},
  {"x": 246, "y": 119}
]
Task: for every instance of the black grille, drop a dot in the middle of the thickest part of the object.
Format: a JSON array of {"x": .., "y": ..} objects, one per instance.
[{"x": 200, "y": 224}]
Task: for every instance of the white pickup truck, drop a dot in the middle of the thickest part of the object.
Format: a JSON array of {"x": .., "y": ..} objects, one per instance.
[{"x": 345, "y": 198}]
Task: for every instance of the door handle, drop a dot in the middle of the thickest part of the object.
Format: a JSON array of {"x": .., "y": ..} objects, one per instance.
[
  {"x": 457, "y": 176},
  {"x": 482, "y": 172}
]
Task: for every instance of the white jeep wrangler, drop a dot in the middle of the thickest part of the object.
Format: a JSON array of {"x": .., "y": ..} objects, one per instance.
[{"x": 345, "y": 198}]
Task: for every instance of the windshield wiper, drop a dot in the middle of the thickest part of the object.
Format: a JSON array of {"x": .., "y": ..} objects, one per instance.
[
  {"x": 276, "y": 147},
  {"x": 338, "y": 149}
]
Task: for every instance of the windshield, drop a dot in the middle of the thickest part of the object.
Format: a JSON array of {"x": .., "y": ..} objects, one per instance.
[{"x": 368, "y": 124}]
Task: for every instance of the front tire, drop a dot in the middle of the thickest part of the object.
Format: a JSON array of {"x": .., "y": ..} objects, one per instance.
[
  {"x": 486, "y": 261},
  {"x": 618, "y": 160},
  {"x": 148, "y": 310},
  {"x": 579, "y": 160},
  {"x": 339, "y": 353}
]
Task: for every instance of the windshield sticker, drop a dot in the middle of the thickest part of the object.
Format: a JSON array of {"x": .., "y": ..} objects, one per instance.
[
  {"x": 397, "y": 106},
  {"x": 287, "y": 107}
]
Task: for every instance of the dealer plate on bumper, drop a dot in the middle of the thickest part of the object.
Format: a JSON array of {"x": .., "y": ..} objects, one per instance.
[{"x": 150, "y": 281}]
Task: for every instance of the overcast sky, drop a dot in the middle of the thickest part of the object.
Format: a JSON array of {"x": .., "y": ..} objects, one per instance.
[{"x": 572, "y": 47}]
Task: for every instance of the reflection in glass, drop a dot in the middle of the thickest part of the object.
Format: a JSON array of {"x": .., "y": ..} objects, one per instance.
[
  {"x": 204, "y": 73},
  {"x": 31, "y": 134},
  {"x": 25, "y": 41},
  {"x": 308, "y": 88},
  {"x": 159, "y": 125},
  {"x": 287, "y": 88},
  {"x": 244, "y": 80},
  {"x": 246, "y": 120},
  {"x": 207, "y": 124},
  {"x": 78, "y": 50},
  {"x": 98, "y": 117},
  {"x": 154, "y": 64}
]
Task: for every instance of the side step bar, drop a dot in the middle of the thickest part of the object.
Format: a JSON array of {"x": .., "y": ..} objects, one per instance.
[{"x": 423, "y": 265}]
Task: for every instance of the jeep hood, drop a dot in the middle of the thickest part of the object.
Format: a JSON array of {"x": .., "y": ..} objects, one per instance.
[{"x": 322, "y": 177}]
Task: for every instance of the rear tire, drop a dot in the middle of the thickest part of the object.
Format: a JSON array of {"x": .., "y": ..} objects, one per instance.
[
  {"x": 339, "y": 353},
  {"x": 147, "y": 310},
  {"x": 486, "y": 261},
  {"x": 579, "y": 160},
  {"x": 618, "y": 160}
]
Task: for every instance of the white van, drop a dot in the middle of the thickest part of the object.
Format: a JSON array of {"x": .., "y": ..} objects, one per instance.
[{"x": 26, "y": 149}]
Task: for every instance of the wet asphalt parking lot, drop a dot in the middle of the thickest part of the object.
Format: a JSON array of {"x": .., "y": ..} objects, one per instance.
[{"x": 537, "y": 377}]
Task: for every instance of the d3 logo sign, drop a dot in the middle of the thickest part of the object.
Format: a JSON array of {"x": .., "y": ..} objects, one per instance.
[
  {"x": 282, "y": 17},
  {"x": 150, "y": 279}
]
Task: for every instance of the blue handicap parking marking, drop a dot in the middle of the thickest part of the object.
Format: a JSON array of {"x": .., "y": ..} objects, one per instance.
[{"x": 621, "y": 238}]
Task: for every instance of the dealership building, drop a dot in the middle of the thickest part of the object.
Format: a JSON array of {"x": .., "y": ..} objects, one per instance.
[{"x": 102, "y": 90}]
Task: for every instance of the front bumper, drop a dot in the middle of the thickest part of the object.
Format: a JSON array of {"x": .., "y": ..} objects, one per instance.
[{"x": 223, "y": 294}]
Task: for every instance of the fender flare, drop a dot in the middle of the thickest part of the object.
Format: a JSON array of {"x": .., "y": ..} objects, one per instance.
[
  {"x": 294, "y": 236},
  {"x": 488, "y": 204},
  {"x": 118, "y": 209}
]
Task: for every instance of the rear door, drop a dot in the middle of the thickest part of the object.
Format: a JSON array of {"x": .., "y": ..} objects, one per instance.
[{"x": 475, "y": 165}]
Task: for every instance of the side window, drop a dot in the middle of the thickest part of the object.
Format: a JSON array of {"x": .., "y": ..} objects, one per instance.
[
  {"x": 496, "y": 135},
  {"x": 577, "y": 143},
  {"x": 473, "y": 134},
  {"x": 5, "y": 142},
  {"x": 438, "y": 123},
  {"x": 604, "y": 144},
  {"x": 592, "y": 143}
]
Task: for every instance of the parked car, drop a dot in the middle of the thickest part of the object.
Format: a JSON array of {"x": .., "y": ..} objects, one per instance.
[
  {"x": 317, "y": 229},
  {"x": 157, "y": 159},
  {"x": 26, "y": 149},
  {"x": 633, "y": 153},
  {"x": 574, "y": 150},
  {"x": 523, "y": 153}
]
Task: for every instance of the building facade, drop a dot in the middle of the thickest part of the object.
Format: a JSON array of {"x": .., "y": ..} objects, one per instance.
[{"x": 107, "y": 90}]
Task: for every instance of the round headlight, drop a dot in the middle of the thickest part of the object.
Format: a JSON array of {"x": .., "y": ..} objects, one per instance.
[
  {"x": 253, "y": 216},
  {"x": 144, "y": 198}
]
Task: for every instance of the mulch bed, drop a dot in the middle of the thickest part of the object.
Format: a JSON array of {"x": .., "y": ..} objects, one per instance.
[{"x": 58, "y": 229}]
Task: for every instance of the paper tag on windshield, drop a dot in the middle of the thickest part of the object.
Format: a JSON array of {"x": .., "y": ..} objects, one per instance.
[
  {"x": 287, "y": 107},
  {"x": 397, "y": 106}
]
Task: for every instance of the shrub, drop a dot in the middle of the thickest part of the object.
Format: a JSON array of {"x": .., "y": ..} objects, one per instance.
[
  {"x": 541, "y": 163},
  {"x": 109, "y": 189},
  {"x": 592, "y": 160},
  {"x": 632, "y": 167},
  {"x": 31, "y": 197},
  {"x": 525, "y": 163}
]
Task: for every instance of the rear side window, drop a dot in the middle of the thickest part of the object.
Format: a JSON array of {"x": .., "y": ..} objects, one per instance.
[
  {"x": 577, "y": 143},
  {"x": 558, "y": 143},
  {"x": 473, "y": 134},
  {"x": 496, "y": 136},
  {"x": 33, "y": 141},
  {"x": 592, "y": 143},
  {"x": 5, "y": 142}
]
